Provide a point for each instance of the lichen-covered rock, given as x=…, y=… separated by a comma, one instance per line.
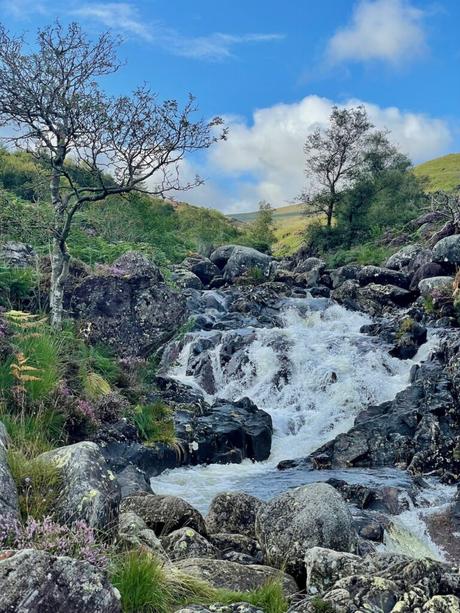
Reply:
x=233, y=576
x=447, y=250
x=426, y=271
x=132, y=480
x=409, y=258
x=324, y=567
x=127, y=307
x=133, y=532
x=185, y=279
x=221, y=255
x=428, y=287
x=344, y=273
x=310, y=516
x=364, y=593
x=164, y=514
x=202, y=267
x=187, y=543
x=90, y=491
x=309, y=264
x=234, y=607
x=244, y=259
x=382, y=276
x=229, y=544
x=233, y=512
x=18, y=255
x=8, y=490
x=373, y=298
x=33, y=581
x=442, y=604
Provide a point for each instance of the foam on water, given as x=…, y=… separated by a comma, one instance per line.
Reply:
x=313, y=375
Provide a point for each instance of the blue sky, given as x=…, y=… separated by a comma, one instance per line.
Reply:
x=273, y=70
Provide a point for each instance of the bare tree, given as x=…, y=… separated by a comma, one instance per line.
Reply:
x=51, y=96
x=334, y=157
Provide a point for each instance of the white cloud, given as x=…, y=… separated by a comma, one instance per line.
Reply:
x=387, y=30
x=264, y=159
x=125, y=17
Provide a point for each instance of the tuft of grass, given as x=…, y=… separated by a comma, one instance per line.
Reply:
x=147, y=587
x=95, y=386
x=33, y=433
x=154, y=423
x=321, y=606
x=17, y=286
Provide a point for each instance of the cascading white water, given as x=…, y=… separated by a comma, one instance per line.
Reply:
x=313, y=375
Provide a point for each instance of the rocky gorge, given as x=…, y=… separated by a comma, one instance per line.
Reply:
x=316, y=433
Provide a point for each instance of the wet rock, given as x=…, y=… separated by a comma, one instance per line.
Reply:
x=89, y=491
x=244, y=259
x=134, y=533
x=447, y=250
x=373, y=299
x=187, y=543
x=233, y=576
x=164, y=514
x=344, y=273
x=228, y=543
x=382, y=276
x=17, y=255
x=233, y=512
x=185, y=279
x=202, y=267
x=35, y=582
x=8, y=490
x=310, y=516
x=409, y=338
x=128, y=307
x=409, y=258
x=432, y=285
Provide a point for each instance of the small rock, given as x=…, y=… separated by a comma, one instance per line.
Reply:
x=187, y=543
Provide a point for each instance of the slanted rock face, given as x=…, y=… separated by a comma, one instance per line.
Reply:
x=164, y=514
x=8, y=491
x=90, y=491
x=17, y=254
x=33, y=581
x=233, y=576
x=447, y=250
x=187, y=543
x=233, y=512
x=243, y=259
x=310, y=516
x=128, y=307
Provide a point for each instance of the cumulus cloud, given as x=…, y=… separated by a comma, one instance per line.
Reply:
x=125, y=17
x=387, y=30
x=264, y=160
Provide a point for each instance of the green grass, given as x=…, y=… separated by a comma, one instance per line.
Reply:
x=17, y=286
x=148, y=587
x=33, y=433
x=154, y=423
x=366, y=254
x=442, y=173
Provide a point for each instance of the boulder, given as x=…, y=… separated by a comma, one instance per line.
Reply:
x=127, y=307
x=164, y=514
x=325, y=566
x=187, y=543
x=310, y=264
x=233, y=512
x=221, y=255
x=226, y=575
x=8, y=490
x=426, y=271
x=202, y=267
x=132, y=480
x=185, y=279
x=17, y=255
x=448, y=229
x=447, y=250
x=245, y=259
x=409, y=258
x=33, y=581
x=134, y=533
x=373, y=299
x=237, y=543
x=382, y=276
x=344, y=273
x=442, y=604
x=428, y=287
x=89, y=491
x=310, y=516
x=234, y=607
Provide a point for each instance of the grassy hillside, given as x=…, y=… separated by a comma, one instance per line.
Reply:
x=442, y=173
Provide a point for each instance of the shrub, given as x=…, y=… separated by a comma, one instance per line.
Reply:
x=77, y=541
x=154, y=423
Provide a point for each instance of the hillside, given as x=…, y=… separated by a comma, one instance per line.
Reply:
x=442, y=173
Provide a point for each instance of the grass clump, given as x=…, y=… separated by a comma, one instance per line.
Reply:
x=154, y=423
x=321, y=606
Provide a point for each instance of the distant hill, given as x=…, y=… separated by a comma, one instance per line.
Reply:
x=442, y=173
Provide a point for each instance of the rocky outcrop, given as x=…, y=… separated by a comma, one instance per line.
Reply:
x=233, y=576
x=89, y=490
x=33, y=581
x=185, y=279
x=18, y=255
x=164, y=514
x=382, y=276
x=128, y=307
x=409, y=258
x=310, y=516
x=233, y=512
x=373, y=299
x=8, y=490
x=429, y=287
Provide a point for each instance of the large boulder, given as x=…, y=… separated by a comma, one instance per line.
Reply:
x=33, y=581
x=165, y=514
x=89, y=491
x=344, y=273
x=309, y=264
x=382, y=276
x=202, y=267
x=232, y=576
x=409, y=258
x=128, y=307
x=8, y=490
x=221, y=255
x=233, y=512
x=310, y=516
x=447, y=250
x=18, y=255
x=426, y=271
x=430, y=286
x=244, y=259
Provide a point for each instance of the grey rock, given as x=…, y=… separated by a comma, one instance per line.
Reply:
x=442, y=604
x=202, y=267
x=132, y=480
x=90, y=491
x=164, y=514
x=324, y=567
x=228, y=543
x=373, y=299
x=426, y=271
x=382, y=276
x=409, y=258
x=234, y=607
x=243, y=260
x=185, y=278
x=344, y=273
x=133, y=533
x=447, y=250
x=233, y=512
x=435, y=284
x=135, y=263
x=18, y=255
x=310, y=516
x=33, y=581
x=221, y=255
x=8, y=490
x=310, y=264
x=233, y=576
x=187, y=543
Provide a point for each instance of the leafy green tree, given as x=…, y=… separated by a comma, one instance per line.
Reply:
x=261, y=233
